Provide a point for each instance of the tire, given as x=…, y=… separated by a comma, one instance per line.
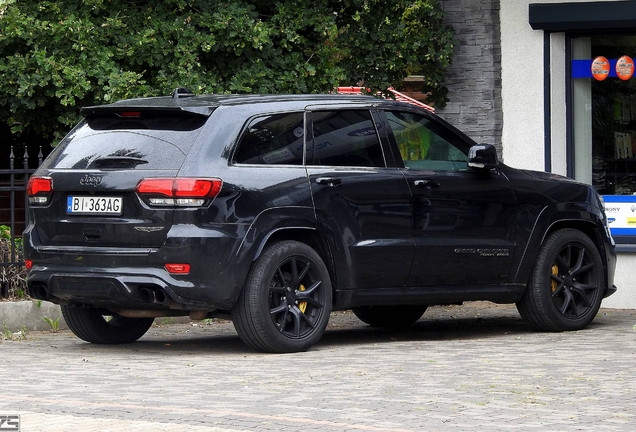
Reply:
x=567, y=283
x=286, y=301
x=90, y=325
x=390, y=316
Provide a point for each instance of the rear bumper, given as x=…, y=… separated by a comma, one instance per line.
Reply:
x=121, y=287
x=136, y=277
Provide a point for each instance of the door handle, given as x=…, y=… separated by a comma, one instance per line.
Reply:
x=329, y=181
x=427, y=183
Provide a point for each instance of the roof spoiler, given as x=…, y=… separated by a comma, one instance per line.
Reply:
x=122, y=110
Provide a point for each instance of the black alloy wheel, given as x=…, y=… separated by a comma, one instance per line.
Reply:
x=567, y=284
x=286, y=302
x=293, y=305
x=102, y=327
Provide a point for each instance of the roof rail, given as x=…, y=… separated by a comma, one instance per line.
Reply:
x=400, y=97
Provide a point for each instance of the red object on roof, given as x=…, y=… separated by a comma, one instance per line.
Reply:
x=400, y=97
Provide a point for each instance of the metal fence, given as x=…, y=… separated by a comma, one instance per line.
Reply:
x=13, y=219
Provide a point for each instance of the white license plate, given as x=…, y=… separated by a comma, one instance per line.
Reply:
x=94, y=205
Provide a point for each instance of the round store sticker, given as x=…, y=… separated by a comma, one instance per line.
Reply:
x=625, y=68
x=600, y=68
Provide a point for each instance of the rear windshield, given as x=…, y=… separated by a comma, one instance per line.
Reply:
x=108, y=142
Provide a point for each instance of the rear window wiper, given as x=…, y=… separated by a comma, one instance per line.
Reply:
x=119, y=162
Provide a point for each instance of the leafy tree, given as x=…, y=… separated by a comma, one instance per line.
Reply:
x=58, y=55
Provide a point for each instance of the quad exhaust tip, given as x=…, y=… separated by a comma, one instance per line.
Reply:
x=40, y=292
x=157, y=296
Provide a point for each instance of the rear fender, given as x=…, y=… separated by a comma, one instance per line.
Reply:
x=273, y=220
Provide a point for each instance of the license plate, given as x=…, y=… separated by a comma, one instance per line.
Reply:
x=94, y=205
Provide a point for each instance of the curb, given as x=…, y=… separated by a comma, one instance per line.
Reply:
x=28, y=314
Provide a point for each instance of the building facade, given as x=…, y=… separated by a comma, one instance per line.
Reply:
x=551, y=84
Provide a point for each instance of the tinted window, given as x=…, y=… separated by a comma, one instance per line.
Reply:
x=273, y=139
x=346, y=138
x=425, y=144
x=156, y=142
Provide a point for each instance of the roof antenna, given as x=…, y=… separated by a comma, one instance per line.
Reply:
x=180, y=92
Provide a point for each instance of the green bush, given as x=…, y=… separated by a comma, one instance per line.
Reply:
x=58, y=55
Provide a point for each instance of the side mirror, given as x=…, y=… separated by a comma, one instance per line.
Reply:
x=483, y=156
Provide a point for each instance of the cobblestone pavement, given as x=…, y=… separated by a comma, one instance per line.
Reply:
x=474, y=367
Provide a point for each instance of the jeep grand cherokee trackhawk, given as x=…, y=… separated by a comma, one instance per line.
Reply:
x=276, y=210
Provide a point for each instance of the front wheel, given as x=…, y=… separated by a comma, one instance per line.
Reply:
x=390, y=316
x=286, y=301
x=567, y=283
x=91, y=325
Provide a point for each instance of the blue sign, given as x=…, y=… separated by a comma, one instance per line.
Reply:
x=621, y=214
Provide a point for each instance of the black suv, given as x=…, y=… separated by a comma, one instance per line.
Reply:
x=275, y=210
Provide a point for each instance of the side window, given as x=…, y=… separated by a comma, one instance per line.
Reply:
x=274, y=139
x=425, y=144
x=346, y=138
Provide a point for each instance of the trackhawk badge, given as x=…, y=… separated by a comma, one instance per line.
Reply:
x=91, y=180
x=485, y=252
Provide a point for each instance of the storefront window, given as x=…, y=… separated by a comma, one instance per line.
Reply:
x=604, y=123
x=604, y=116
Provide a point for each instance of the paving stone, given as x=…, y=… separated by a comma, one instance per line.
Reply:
x=460, y=368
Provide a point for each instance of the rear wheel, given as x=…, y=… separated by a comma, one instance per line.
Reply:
x=390, y=316
x=567, y=283
x=286, y=301
x=92, y=326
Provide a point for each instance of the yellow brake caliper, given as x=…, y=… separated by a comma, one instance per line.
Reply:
x=555, y=272
x=302, y=305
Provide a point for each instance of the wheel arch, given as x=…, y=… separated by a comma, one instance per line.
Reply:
x=593, y=232
x=586, y=227
x=552, y=219
x=270, y=221
x=311, y=237
x=287, y=223
x=293, y=223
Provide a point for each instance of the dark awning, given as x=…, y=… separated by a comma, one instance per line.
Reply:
x=597, y=15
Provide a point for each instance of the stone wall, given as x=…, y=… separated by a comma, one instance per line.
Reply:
x=474, y=78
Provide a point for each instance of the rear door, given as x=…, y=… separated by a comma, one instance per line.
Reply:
x=96, y=169
x=363, y=206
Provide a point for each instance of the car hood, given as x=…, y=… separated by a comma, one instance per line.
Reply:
x=548, y=176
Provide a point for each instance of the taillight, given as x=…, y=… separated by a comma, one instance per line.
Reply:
x=39, y=190
x=183, y=192
x=174, y=268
